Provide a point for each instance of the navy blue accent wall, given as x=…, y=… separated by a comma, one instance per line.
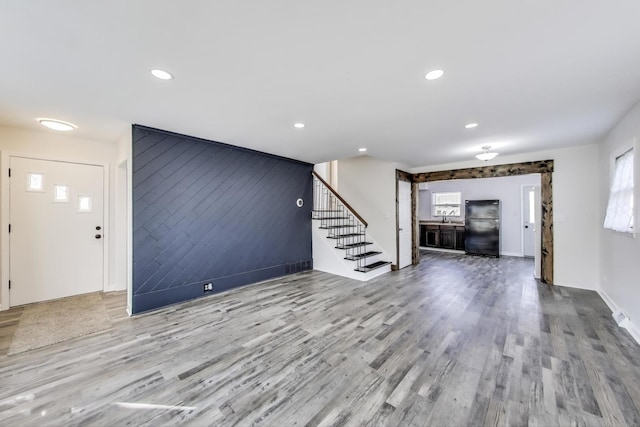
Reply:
x=210, y=212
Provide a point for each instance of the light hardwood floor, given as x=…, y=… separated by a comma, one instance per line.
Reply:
x=456, y=340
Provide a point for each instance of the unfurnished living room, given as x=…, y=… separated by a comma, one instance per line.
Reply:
x=330, y=213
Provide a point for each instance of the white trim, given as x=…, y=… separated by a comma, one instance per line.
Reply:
x=124, y=166
x=631, y=328
x=5, y=163
x=106, y=224
x=130, y=228
x=4, y=235
x=522, y=219
x=515, y=254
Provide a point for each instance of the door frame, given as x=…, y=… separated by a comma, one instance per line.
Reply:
x=407, y=177
x=543, y=167
x=524, y=188
x=398, y=222
x=5, y=162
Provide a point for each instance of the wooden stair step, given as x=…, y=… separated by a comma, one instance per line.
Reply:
x=343, y=236
x=373, y=266
x=361, y=256
x=353, y=245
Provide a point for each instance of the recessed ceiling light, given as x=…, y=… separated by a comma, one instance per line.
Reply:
x=362, y=150
x=298, y=125
x=471, y=125
x=161, y=74
x=57, y=124
x=434, y=74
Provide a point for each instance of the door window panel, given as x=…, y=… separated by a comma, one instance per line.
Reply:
x=35, y=182
x=532, y=208
x=84, y=204
x=61, y=193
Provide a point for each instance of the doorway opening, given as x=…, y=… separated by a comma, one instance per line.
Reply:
x=543, y=167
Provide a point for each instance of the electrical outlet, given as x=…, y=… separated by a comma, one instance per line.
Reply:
x=208, y=287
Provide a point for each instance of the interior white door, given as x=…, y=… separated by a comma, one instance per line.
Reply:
x=56, y=229
x=529, y=221
x=404, y=223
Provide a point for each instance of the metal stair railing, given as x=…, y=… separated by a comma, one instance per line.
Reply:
x=341, y=221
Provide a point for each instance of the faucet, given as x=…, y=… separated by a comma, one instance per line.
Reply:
x=444, y=219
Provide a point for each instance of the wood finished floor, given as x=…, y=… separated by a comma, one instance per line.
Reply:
x=454, y=341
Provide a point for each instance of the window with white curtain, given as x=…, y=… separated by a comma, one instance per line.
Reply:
x=619, y=216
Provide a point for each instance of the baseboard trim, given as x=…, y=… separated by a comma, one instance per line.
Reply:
x=451, y=251
x=631, y=328
x=513, y=254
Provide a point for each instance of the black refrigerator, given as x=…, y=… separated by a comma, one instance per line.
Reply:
x=482, y=227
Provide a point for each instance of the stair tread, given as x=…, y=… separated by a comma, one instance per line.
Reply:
x=328, y=227
x=373, y=266
x=342, y=236
x=360, y=256
x=331, y=217
x=353, y=245
x=325, y=210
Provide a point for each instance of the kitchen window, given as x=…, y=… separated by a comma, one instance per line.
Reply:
x=446, y=204
x=620, y=209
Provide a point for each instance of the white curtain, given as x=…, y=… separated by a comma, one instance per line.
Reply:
x=619, y=215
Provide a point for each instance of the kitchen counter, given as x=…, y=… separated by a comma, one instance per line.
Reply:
x=440, y=223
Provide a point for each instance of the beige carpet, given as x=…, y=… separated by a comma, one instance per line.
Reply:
x=47, y=323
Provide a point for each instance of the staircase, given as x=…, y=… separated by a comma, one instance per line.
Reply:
x=346, y=231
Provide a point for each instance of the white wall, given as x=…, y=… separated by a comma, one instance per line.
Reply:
x=61, y=146
x=620, y=252
x=576, y=206
x=506, y=189
x=369, y=186
x=322, y=169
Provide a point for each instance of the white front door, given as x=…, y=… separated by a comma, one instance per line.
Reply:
x=529, y=221
x=56, y=229
x=404, y=223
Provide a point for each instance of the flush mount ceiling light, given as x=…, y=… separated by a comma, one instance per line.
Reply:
x=362, y=150
x=298, y=125
x=486, y=154
x=57, y=125
x=161, y=74
x=471, y=125
x=434, y=74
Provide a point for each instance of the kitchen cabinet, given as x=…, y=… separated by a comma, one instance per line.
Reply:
x=460, y=238
x=431, y=235
x=446, y=236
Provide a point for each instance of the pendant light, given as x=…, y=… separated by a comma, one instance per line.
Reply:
x=486, y=155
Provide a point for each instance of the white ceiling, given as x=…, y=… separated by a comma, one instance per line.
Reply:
x=534, y=74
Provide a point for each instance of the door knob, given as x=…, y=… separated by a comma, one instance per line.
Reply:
x=98, y=236
x=526, y=226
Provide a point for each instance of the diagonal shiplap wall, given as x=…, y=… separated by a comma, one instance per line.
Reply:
x=210, y=212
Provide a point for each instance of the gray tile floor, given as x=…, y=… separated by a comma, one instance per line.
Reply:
x=456, y=340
